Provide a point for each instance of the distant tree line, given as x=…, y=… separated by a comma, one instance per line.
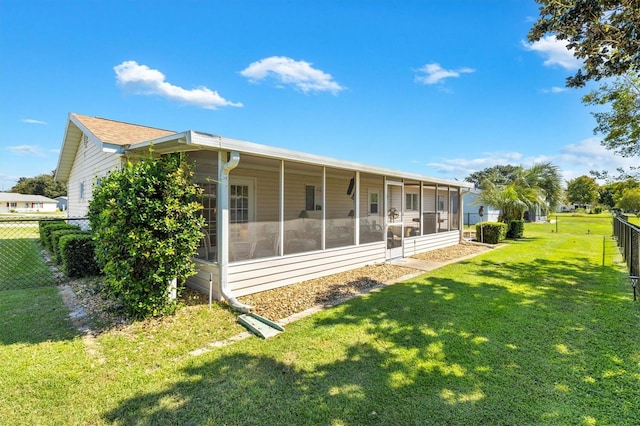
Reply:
x=514, y=189
x=40, y=185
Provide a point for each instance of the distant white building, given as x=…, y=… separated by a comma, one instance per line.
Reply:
x=470, y=210
x=63, y=202
x=24, y=203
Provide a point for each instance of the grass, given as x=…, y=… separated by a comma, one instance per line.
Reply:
x=21, y=265
x=536, y=332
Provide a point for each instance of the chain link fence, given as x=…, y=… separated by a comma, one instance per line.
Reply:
x=628, y=237
x=24, y=263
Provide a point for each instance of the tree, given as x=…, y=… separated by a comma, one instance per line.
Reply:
x=604, y=33
x=620, y=126
x=582, y=190
x=538, y=185
x=499, y=175
x=147, y=224
x=630, y=200
x=40, y=185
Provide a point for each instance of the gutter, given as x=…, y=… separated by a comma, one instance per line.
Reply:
x=223, y=221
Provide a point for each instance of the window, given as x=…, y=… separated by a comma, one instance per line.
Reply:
x=412, y=202
x=239, y=203
x=309, y=197
x=82, y=190
x=374, y=202
x=312, y=198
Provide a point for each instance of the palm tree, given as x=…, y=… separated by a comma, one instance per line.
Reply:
x=539, y=185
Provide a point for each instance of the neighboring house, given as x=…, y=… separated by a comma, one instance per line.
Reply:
x=273, y=216
x=25, y=203
x=62, y=203
x=471, y=214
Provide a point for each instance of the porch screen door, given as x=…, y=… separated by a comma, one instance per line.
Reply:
x=394, y=228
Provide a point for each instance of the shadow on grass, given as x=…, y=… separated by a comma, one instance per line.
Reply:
x=529, y=343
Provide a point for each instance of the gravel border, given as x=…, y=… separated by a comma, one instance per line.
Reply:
x=92, y=313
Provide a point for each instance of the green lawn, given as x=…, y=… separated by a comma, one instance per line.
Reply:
x=536, y=332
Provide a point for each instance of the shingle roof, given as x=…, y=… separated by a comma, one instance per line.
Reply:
x=118, y=132
x=13, y=196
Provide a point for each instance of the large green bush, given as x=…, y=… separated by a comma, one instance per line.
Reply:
x=491, y=232
x=147, y=226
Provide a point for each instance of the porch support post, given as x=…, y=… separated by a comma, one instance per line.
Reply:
x=323, y=230
x=420, y=215
x=356, y=227
x=460, y=214
x=222, y=217
x=437, y=209
x=281, y=212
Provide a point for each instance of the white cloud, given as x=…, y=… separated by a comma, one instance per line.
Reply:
x=573, y=160
x=555, y=52
x=289, y=72
x=31, y=150
x=555, y=89
x=434, y=73
x=146, y=81
x=32, y=121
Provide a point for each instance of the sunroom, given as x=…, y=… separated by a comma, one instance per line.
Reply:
x=275, y=217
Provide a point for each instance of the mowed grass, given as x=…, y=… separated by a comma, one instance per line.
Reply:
x=538, y=331
x=21, y=265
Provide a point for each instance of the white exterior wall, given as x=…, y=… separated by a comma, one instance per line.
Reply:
x=21, y=207
x=253, y=276
x=90, y=162
x=425, y=243
x=292, y=269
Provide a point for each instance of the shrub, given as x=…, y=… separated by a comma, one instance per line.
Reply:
x=597, y=210
x=55, y=241
x=147, y=223
x=516, y=229
x=77, y=252
x=48, y=228
x=491, y=232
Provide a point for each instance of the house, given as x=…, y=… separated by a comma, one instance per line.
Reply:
x=11, y=202
x=274, y=216
x=471, y=209
x=62, y=203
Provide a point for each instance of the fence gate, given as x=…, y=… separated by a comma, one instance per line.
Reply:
x=23, y=262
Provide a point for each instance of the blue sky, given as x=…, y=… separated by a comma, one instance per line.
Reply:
x=441, y=88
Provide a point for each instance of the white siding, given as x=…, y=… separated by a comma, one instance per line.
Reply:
x=260, y=275
x=415, y=245
x=90, y=162
x=200, y=281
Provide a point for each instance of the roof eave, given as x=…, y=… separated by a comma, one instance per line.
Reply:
x=191, y=141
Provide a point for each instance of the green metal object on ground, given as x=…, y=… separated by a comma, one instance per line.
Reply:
x=260, y=326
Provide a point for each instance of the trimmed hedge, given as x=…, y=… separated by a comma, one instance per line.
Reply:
x=491, y=232
x=516, y=229
x=55, y=241
x=77, y=252
x=47, y=228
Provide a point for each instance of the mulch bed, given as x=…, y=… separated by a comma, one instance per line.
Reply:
x=103, y=314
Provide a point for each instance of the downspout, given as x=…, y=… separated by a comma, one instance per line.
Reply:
x=223, y=229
